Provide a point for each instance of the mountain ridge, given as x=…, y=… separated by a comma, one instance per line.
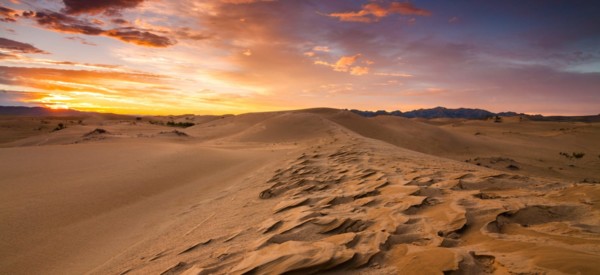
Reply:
x=439, y=112
x=429, y=113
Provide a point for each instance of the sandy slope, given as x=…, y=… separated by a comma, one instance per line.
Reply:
x=307, y=191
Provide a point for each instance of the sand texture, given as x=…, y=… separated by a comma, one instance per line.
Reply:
x=300, y=192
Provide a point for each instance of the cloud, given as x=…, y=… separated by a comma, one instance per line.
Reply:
x=18, y=47
x=344, y=64
x=21, y=60
x=81, y=40
x=358, y=70
x=321, y=49
x=16, y=98
x=110, y=7
x=373, y=12
x=189, y=34
x=393, y=74
x=8, y=56
x=69, y=24
x=119, y=21
x=88, y=89
x=8, y=14
x=432, y=91
x=9, y=30
x=26, y=76
x=141, y=38
x=64, y=23
x=244, y=1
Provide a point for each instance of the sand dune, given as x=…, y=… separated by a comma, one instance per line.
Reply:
x=310, y=191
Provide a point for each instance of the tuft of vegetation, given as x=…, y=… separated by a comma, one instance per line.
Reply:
x=574, y=155
x=180, y=124
x=177, y=133
x=578, y=155
x=512, y=167
x=59, y=127
x=97, y=131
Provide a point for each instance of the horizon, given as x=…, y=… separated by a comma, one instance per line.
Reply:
x=301, y=109
x=156, y=57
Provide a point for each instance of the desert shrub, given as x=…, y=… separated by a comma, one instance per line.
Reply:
x=59, y=127
x=97, y=131
x=177, y=133
x=566, y=155
x=578, y=155
x=512, y=167
x=180, y=124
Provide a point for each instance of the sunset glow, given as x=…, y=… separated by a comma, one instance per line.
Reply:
x=236, y=56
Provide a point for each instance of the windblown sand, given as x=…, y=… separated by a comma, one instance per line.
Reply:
x=311, y=191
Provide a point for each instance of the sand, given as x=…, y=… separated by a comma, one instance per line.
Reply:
x=300, y=192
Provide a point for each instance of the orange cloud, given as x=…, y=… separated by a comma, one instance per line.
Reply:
x=393, y=74
x=373, y=12
x=141, y=38
x=124, y=92
x=8, y=14
x=344, y=64
x=321, y=49
x=358, y=70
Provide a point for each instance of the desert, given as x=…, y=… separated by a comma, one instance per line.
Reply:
x=308, y=191
x=267, y=137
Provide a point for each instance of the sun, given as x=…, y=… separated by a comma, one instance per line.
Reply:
x=57, y=106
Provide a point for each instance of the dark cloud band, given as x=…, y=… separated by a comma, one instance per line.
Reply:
x=99, y=6
x=18, y=47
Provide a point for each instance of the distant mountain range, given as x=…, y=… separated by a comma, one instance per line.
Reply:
x=37, y=111
x=467, y=113
x=439, y=112
x=47, y=112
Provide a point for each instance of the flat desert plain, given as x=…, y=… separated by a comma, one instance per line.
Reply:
x=299, y=192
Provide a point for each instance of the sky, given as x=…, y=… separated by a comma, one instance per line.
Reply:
x=236, y=56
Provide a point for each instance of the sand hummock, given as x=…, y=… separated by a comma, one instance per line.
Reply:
x=301, y=192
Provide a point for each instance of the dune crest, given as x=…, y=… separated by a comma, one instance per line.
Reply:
x=350, y=208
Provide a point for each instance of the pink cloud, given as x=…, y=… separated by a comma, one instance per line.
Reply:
x=373, y=12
